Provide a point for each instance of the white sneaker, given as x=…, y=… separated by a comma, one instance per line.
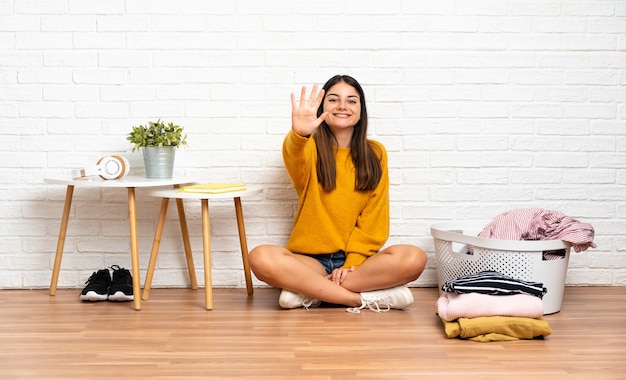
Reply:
x=291, y=300
x=383, y=300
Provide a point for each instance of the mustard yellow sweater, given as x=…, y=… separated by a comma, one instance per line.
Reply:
x=344, y=219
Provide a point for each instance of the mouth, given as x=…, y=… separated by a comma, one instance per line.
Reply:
x=341, y=115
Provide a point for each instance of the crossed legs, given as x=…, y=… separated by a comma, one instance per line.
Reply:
x=392, y=266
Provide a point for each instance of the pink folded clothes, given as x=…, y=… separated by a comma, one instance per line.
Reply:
x=540, y=224
x=451, y=306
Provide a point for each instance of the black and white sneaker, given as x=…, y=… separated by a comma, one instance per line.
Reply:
x=121, y=288
x=97, y=288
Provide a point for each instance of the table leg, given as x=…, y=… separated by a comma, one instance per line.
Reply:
x=185, y=232
x=134, y=247
x=156, y=243
x=206, y=247
x=244, y=245
x=61, y=241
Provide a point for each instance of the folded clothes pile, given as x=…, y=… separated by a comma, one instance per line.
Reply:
x=490, y=306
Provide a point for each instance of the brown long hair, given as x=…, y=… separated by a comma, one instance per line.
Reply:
x=367, y=163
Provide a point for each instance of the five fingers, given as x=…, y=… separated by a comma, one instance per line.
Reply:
x=314, y=100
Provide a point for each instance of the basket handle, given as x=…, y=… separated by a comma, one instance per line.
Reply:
x=453, y=231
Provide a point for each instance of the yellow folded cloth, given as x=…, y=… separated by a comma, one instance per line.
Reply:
x=487, y=329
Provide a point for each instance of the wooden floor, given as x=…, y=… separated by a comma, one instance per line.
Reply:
x=173, y=337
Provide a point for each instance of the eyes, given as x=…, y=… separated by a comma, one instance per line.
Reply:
x=334, y=99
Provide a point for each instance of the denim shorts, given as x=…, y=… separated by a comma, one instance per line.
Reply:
x=330, y=261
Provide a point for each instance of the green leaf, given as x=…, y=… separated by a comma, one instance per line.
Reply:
x=157, y=134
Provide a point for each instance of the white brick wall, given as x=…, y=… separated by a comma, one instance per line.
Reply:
x=484, y=106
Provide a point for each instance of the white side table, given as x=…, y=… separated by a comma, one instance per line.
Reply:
x=129, y=182
x=166, y=195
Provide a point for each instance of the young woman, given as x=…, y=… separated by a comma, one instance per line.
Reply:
x=342, y=220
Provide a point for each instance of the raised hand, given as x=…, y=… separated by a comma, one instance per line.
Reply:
x=304, y=120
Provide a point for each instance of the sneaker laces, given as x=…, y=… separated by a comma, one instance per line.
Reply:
x=307, y=302
x=116, y=267
x=381, y=305
x=120, y=272
x=93, y=278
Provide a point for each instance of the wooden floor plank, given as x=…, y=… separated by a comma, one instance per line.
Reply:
x=249, y=337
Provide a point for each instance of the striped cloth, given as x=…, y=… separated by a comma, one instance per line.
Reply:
x=540, y=224
x=494, y=283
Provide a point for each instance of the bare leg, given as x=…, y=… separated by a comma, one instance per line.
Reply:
x=281, y=268
x=393, y=266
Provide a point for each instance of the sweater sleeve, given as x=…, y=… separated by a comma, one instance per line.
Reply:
x=372, y=227
x=298, y=155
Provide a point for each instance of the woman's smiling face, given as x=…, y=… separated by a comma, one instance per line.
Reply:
x=343, y=104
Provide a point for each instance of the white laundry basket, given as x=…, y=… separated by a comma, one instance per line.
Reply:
x=459, y=252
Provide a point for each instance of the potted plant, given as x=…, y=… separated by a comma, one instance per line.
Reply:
x=158, y=142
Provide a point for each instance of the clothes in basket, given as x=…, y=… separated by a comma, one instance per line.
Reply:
x=540, y=224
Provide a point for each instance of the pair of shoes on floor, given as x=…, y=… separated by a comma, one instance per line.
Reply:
x=379, y=301
x=101, y=287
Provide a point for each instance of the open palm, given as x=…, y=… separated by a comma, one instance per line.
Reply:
x=304, y=120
